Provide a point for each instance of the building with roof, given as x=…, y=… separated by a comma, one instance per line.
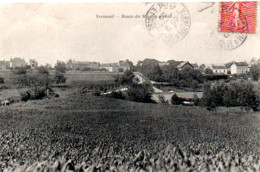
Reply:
x=239, y=68
x=162, y=64
x=111, y=67
x=183, y=65
x=82, y=65
x=2, y=65
x=33, y=63
x=195, y=65
x=17, y=62
x=219, y=69
x=122, y=66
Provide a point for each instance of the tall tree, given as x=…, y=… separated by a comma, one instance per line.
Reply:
x=60, y=67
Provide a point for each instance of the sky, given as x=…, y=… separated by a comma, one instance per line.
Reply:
x=49, y=32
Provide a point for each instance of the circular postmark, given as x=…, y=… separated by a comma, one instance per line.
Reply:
x=168, y=21
x=230, y=41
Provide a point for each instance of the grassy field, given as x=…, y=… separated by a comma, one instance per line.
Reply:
x=77, y=77
x=101, y=133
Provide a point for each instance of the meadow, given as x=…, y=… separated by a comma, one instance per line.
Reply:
x=84, y=132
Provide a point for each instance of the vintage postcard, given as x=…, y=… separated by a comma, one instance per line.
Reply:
x=130, y=86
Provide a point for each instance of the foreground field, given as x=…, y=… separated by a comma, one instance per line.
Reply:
x=103, y=133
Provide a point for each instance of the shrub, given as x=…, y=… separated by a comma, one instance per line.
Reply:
x=196, y=100
x=117, y=95
x=25, y=95
x=59, y=78
x=36, y=93
x=140, y=93
x=21, y=70
x=2, y=81
x=175, y=100
x=96, y=93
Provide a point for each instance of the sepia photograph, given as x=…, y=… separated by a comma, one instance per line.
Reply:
x=130, y=86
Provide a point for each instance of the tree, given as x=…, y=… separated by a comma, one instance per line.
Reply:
x=208, y=71
x=126, y=78
x=140, y=92
x=43, y=70
x=255, y=72
x=60, y=67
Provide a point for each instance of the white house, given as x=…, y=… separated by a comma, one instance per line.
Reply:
x=239, y=68
x=219, y=69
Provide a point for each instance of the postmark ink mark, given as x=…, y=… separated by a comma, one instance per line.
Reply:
x=168, y=21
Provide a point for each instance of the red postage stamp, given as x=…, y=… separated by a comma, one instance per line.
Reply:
x=238, y=16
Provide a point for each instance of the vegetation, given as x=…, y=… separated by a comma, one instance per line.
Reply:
x=84, y=132
x=176, y=100
x=140, y=92
x=234, y=93
x=59, y=78
x=255, y=71
x=60, y=67
x=2, y=80
x=188, y=77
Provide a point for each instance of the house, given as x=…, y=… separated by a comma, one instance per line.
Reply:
x=195, y=65
x=17, y=62
x=111, y=67
x=239, y=68
x=219, y=69
x=2, y=65
x=33, y=63
x=124, y=65
x=183, y=65
x=82, y=65
x=162, y=64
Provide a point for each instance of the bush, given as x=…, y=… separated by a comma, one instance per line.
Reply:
x=59, y=78
x=175, y=100
x=196, y=100
x=140, y=93
x=96, y=93
x=21, y=70
x=37, y=93
x=117, y=95
x=25, y=95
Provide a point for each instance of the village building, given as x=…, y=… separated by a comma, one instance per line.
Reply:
x=2, y=65
x=162, y=64
x=219, y=69
x=33, y=63
x=184, y=65
x=111, y=67
x=122, y=66
x=239, y=68
x=17, y=62
x=82, y=65
x=195, y=65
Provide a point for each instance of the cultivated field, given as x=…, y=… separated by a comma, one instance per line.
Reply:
x=89, y=76
x=104, y=133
